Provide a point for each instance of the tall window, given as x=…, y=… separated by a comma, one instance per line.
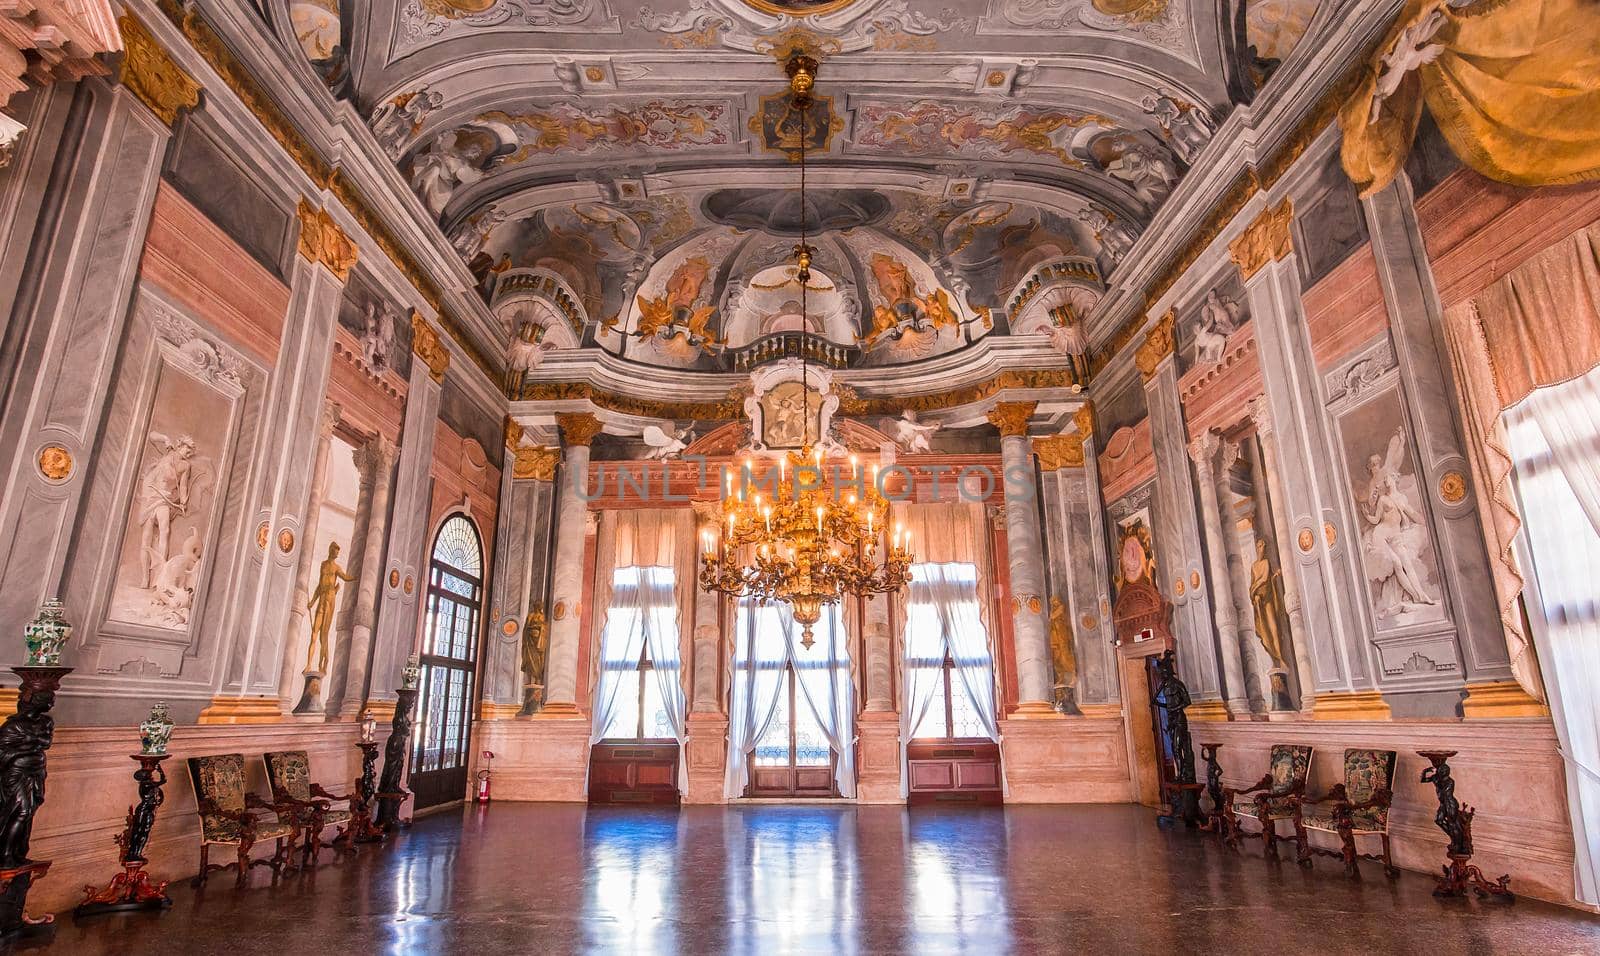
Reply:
x=449, y=650
x=1554, y=440
x=639, y=695
x=949, y=666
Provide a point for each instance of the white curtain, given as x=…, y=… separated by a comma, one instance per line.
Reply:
x=766, y=641
x=1554, y=438
x=643, y=555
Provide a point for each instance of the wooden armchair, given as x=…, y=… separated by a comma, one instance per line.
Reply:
x=307, y=805
x=1277, y=797
x=226, y=818
x=1358, y=805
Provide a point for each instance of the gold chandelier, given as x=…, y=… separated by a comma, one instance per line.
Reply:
x=804, y=545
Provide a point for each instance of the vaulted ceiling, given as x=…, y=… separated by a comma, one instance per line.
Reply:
x=955, y=147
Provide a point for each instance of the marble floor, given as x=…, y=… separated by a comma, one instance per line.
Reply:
x=550, y=879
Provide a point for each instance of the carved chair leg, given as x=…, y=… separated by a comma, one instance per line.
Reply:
x=1230, y=823
x=200, y=878
x=1389, y=869
x=309, y=847
x=1302, y=842
x=1269, y=833
x=1347, y=837
x=244, y=860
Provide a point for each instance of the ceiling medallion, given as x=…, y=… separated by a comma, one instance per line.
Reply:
x=806, y=545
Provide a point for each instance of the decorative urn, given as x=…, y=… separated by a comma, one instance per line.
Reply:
x=369, y=726
x=411, y=677
x=47, y=634
x=156, y=730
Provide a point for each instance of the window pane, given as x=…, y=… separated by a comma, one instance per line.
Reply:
x=810, y=745
x=772, y=750
x=656, y=723
x=624, y=723
x=963, y=715
x=932, y=723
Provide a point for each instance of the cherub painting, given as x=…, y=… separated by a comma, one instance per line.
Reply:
x=679, y=312
x=901, y=306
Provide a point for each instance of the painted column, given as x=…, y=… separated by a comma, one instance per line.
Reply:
x=1238, y=539
x=405, y=565
x=290, y=688
x=1026, y=558
x=280, y=488
x=561, y=673
x=879, y=641
x=375, y=460
x=1091, y=583
x=1310, y=474
x=706, y=687
x=1262, y=416
x=75, y=269
x=1203, y=452
x=1177, y=526
x=1428, y=391
x=522, y=546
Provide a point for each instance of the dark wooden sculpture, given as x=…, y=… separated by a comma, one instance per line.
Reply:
x=362, y=829
x=1455, y=819
x=391, y=793
x=25, y=737
x=1172, y=697
x=1213, y=818
x=133, y=889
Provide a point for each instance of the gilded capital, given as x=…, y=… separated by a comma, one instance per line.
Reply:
x=1084, y=419
x=514, y=430
x=1158, y=343
x=149, y=73
x=578, y=428
x=1012, y=417
x=321, y=240
x=1266, y=239
x=1059, y=451
x=536, y=462
x=429, y=347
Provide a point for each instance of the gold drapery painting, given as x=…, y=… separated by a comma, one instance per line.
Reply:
x=1513, y=84
x=1538, y=325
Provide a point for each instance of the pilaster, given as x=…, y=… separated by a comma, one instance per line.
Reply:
x=566, y=594
x=1025, y=548
x=1177, y=525
x=68, y=314
x=347, y=688
x=522, y=547
x=1203, y=452
x=405, y=563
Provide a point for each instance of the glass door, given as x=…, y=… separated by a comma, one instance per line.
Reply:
x=441, y=743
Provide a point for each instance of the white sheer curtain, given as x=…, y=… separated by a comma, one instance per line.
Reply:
x=642, y=555
x=766, y=641
x=1554, y=439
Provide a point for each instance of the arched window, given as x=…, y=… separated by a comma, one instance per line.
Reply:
x=449, y=652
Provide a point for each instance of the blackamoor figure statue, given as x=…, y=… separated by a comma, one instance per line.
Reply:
x=24, y=738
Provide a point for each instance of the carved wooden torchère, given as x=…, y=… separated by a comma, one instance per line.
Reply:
x=391, y=792
x=1455, y=819
x=362, y=829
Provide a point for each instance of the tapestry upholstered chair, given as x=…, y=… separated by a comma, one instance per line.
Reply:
x=226, y=817
x=1277, y=797
x=1359, y=805
x=307, y=805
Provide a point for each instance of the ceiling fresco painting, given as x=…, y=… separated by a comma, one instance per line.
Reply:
x=635, y=164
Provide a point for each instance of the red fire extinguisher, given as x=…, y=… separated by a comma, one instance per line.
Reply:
x=483, y=777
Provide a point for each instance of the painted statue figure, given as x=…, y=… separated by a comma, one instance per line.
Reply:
x=1219, y=318
x=321, y=606
x=535, y=647
x=1063, y=656
x=1396, y=534
x=1266, y=597
x=24, y=738
x=163, y=497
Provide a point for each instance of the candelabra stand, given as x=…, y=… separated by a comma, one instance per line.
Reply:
x=362, y=829
x=25, y=737
x=132, y=889
x=391, y=793
x=1455, y=819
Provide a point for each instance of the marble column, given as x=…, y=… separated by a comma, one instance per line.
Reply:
x=707, y=686
x=346, y=691
x=1091, y=582
x=280, y=486
x=879, y=640
x=310, y=560
x=566, y=618
x=1030, y=637
x=1238, y=538
x=405, y=564
x=74, y=237
x=1310, y=474
x=1203, y=452
x=1177, y=525
x=1267, y=475
x=1429, y=392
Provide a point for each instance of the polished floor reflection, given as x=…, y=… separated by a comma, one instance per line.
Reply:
x=826, y=878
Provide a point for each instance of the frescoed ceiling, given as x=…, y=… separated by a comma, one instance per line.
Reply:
x=640, y=155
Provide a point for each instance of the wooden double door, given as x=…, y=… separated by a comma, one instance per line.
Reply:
x=793, y=758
